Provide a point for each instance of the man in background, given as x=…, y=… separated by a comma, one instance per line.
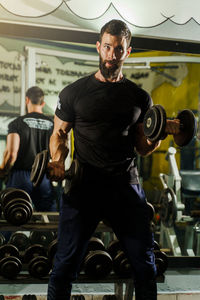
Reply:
x=27, y=136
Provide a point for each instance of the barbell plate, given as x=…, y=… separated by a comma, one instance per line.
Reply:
x=188, y=128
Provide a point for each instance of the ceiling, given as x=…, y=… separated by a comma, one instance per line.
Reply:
x=171, y=25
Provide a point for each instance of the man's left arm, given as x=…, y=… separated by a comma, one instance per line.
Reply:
x=143, y=146
x=10, y=153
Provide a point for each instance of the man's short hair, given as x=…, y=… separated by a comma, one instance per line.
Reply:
x=118, y=28
x=36, y=95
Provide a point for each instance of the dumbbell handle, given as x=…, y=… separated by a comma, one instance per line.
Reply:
x=65, y=174
x=173, y=126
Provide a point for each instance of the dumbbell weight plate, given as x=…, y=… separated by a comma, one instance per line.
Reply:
x=156, y=245
x=52, y=248
x=20, y=240
x=39, y=167
x=18, y=211
x=11, y=194
x=161, y=256
x=160, y=266
x=10, y=267
x=39, y=267
x=121, y=266
x=162, y=119
x=77, y=297
x=3, y=192
x=2, y=239
x=9, y=261
x=113, y=248
x=188, y=128
x=110, y=297
x=95, y=244
x=151, y=121
x=155, y=123
x=7, y=250
x=29, y=297
x=97, y=264
x=42, y=237
x=151, y=211
x=34, y=251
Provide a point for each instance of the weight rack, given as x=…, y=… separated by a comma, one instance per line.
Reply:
x=41, y=221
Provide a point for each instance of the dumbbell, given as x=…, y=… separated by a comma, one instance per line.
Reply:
x=161, y=261
x=16, y=205
x=10, y=263
x=51, y=251
x=156, y=245
x=36, y=258
x=40, y=167
x=154, y=125
x=97, y=262
x=77, y=297
x=110, y=297
x=19, y=240
x=121, y=265
x=43, y=238
x=29, y=297
x=2, y=239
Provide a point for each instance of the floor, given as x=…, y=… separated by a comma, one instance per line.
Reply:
x=182, y=284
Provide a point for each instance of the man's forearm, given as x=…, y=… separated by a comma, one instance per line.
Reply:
x=8, y=161
x=59, y=148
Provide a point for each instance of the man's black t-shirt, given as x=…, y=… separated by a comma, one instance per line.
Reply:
x=34, y=130
x=104, y=115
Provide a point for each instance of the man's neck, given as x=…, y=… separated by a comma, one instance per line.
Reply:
x=35, y=108
x=98, y=75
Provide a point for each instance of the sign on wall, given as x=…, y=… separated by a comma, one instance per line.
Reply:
x=10, y=81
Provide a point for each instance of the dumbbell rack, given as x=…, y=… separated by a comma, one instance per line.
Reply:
x=41, y=221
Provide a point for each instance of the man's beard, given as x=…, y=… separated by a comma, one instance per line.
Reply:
x=112, y=72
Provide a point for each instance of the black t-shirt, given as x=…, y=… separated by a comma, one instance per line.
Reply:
x=34, y=130
x=104, y=115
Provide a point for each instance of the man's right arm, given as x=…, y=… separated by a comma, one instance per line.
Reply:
x=58, y=149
